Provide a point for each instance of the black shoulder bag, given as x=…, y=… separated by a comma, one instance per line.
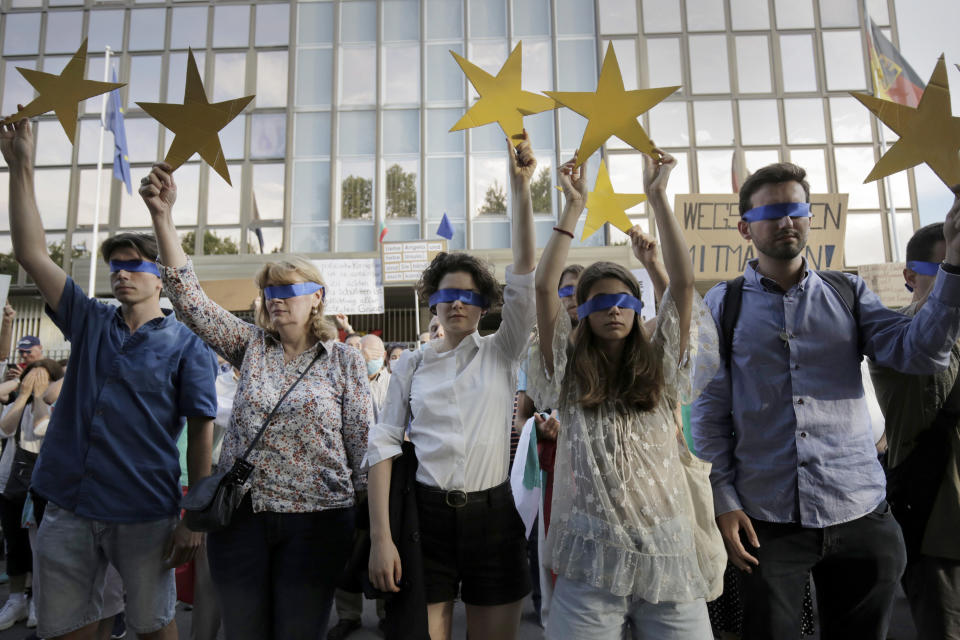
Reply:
x=210, y=504
x=21, y=472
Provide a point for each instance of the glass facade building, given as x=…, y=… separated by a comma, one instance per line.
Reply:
x=349, y=130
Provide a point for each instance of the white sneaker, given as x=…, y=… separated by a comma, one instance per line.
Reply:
x=32, y=615
x=13, y=611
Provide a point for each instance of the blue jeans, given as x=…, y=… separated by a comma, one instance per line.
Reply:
x=275, y=573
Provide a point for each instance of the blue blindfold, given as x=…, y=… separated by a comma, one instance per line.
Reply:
x=922, y=268
x=566, y=292
x=607, y=300
x=777, y=211
x=464, y=296
x=285, y=291
x=134, y=265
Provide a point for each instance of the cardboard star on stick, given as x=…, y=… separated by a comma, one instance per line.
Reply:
x=603, y=205
x=63, y=93
x=610, y=110
x=928, y=133
x=196, y=123
x=501, y=98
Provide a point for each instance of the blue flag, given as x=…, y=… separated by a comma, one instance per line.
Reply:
x=445, y=230
x=114, y=123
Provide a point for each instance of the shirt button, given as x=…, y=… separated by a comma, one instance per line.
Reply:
x=803, y=434
x=803, y=464
x=799, y=400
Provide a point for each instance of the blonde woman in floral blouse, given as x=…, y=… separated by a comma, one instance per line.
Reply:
x=276, y=566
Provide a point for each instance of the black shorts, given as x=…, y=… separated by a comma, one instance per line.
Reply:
x=477, y=551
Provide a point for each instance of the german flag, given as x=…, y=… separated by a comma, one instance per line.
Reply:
x=893, y=77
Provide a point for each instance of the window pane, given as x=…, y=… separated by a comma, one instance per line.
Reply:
x=142, y=84
x=21, y=34
x=794, y=14
x=839, y=13
x=132, y=212
x=853, y=165
x=760, y=158
x=439, y=139
x=575, y=17
x=626, y=170
x=753, y=64
x=541, y=187
x=877, y=9
x=312, y=239
x=850, y=120
x=177, y=78
x=713, y=168
x=864, y=242
x=708, y=64
x=5, y=245
x=531, y=18
x=900, y=190
x=89, y=133
x=486, y=138
x=618, y=16
x=540, y=129
x=52, y=198
x=311, y=191
x=355, y=237
x=189, y=28
x=268, y=135
x=401, y=132
x=489, y=55
x=401, y=19
x=843, y=59
x=314, y=76
x=626, y=50
x=714, y=123
x=663, y=62
x=805, y=121
x=106, y=28
x=705, y=15
x=358, y=133
x=316, y=23
x=273, y=25
x=577, y=58
x=16, y=89
x=488, y=18
x=142, y=134
x=147, y=27
x=444, y=19
x=759, y=122
x=402, y=186
x=572, y=127
x=401, y=74
x=661, y=16
x=813, y=161
x=444, y=78
x=229, y=75
x=358, y=21
x=358, y=75
x=312, y=134
x=53, y=145
x=798, y=63
x=356, y=190
x=445, y=188
x=223, y=201
x=271, y=79
x=488, y=186
x=272, y=241
x=268, y=191
x=231, y=25
x=668, y=124
x=188, y=194
x=749, y=14
x=491, y=233
x=537, y=73
x=232, y=138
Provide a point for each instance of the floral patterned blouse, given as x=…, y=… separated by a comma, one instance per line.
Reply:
x=309, y=456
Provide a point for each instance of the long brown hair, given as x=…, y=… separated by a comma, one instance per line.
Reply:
x=638, y=383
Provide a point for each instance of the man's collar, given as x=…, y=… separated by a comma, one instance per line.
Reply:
x=752, y=274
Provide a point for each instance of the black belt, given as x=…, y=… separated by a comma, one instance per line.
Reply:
x=458, y=498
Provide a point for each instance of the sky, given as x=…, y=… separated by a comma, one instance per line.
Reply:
x=927, y=29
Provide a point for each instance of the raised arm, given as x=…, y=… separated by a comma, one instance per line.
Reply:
x=522, y=165
x=645, y=250
x=574, y=183
x=6, y=331
x=26, y=228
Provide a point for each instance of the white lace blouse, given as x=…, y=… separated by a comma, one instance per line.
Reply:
x=621, y=519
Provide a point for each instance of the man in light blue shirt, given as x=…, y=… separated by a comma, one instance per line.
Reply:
x=797, y=485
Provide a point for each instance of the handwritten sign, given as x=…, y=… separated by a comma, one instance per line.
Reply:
x=353, y=286
x=646, y=294
x=886, y=280
x=403, y=262
x=719, y=252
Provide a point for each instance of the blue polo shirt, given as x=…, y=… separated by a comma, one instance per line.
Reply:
x=110, y=452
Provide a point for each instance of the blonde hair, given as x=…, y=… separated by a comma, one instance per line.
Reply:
x=290, y=271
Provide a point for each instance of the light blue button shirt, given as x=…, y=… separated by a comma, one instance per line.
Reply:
x=786, y=427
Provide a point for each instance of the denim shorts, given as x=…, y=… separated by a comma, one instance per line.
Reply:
x=72, y=556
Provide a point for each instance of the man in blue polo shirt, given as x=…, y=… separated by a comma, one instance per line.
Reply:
x=109, y=466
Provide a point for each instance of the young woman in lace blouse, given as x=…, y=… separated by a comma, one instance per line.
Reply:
x=621, y=537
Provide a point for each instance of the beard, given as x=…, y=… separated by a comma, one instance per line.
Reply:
x=780, y=251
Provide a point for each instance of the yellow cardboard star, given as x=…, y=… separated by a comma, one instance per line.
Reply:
x=196, y=123
x=501, y=98
x=928, y=133
x=603, y=205
x=63, y=93
x=610, y=110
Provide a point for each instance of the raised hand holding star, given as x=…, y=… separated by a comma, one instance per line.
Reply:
x=62, y=93
x=603, y=205
x=196, y=123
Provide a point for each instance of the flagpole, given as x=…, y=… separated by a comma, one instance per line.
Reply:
x=891, y=208
x=91, y=291
x=416, y=313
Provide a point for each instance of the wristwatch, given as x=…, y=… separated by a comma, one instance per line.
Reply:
x=950, y=268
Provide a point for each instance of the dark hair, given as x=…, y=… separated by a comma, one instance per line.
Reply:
x=639, y=382
x=445, y=263
x=52, y=367
x=923, y=243
x=143, y=243
x=571, y=270
x=772, y=174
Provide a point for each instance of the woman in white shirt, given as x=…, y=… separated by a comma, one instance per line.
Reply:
x=621, y=536
x=457, y=396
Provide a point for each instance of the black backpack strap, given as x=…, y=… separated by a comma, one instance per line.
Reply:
x=729, y=313
x=840, y=283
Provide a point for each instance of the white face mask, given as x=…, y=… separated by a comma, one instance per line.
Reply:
x=374, y=366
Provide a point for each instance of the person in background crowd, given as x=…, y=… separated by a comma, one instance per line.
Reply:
x=113, y=490
x=29, y=350
x=353, y=340
x=276, y=565
x=6, y=337
x=435, y=329
x=424, y=339
x=457, y=394
x=911, y=404
x=394, y=349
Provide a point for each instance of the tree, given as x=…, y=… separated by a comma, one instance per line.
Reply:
x=494, y=201
x=8, y=264
x=213, y=245
x=540, y=192
x=401, y=193
x=56, y=251
x=357, y=198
